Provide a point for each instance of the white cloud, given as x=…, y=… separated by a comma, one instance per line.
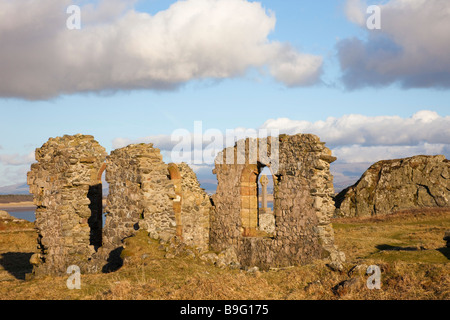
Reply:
x=354, y=10
x=119, y=48
x=295, y=69
x=10, y=175
x=355, y=129
x=356, y=140
x=14, y=168
x=360, y=154
x=411, y=49
x=16, y=159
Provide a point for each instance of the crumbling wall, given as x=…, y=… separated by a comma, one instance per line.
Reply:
x=147, y=194
x=195, y=210
x=303, y=205
x=66, y=184
x=140, y=195
x=168, y=203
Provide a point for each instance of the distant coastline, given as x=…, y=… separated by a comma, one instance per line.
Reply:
x=17, y=206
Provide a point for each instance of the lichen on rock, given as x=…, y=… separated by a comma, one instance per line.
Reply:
x=393, y=185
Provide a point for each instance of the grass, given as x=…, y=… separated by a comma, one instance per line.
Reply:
x=408, y=236
x=407, y=246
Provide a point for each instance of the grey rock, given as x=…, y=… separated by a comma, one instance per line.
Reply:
x=392, y=185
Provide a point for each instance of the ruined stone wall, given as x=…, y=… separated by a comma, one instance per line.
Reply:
x=195, y=210
x=140, y=195
x=147, y=194
x=303, y=205
x=66, y=185
x=226, y=225
x=392, y=185
x=168, y=203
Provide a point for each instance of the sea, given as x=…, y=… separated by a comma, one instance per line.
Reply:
x=21, y=213
x=29, y=214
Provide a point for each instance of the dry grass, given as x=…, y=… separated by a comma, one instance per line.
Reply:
x=408, y=247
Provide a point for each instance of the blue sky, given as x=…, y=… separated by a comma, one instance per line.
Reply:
x=246, y=98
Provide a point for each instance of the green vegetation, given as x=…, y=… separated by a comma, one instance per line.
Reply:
x=407, y=246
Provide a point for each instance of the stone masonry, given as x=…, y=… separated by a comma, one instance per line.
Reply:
x=167, y=202
x=196, y=209
x=140, y=194
x=303, y=205
x=143, y=195
x=66, y=185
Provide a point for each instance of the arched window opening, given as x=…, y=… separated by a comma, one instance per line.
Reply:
x=266, y=217
x=265, y=190
x=257, y=199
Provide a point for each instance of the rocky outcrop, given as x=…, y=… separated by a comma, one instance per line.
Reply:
x=392, y=185
x=5, y=215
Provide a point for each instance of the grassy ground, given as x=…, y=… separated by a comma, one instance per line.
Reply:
x=408, y=247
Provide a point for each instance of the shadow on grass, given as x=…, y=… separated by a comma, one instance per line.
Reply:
x=387, y=247
x=424, y=255
x=17, y=263
x=445, y=251
x=114, y=261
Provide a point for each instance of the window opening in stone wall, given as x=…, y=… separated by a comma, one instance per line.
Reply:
x=249, y=200
x=266, y=218
x=257, y=201
x=105, y=192
x=96, y=220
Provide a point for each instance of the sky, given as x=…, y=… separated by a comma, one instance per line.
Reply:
x=138, y=71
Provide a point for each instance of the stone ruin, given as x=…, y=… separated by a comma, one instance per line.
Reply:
x=303, y=203
x=67, y=188
x=167, y=202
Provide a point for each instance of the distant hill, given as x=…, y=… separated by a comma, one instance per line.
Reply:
x=20, y=188
x=24, y=189
x=15, y=198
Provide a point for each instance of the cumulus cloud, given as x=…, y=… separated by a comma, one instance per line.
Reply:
x=361, y=154
x=354, y=136
x=14, y=167
x=11, y=175
x=356, y=140
x=355, y=129
x=354, y=10
x=16, y=159
x=197, y=148
x=119, y=48
x=412, y=48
